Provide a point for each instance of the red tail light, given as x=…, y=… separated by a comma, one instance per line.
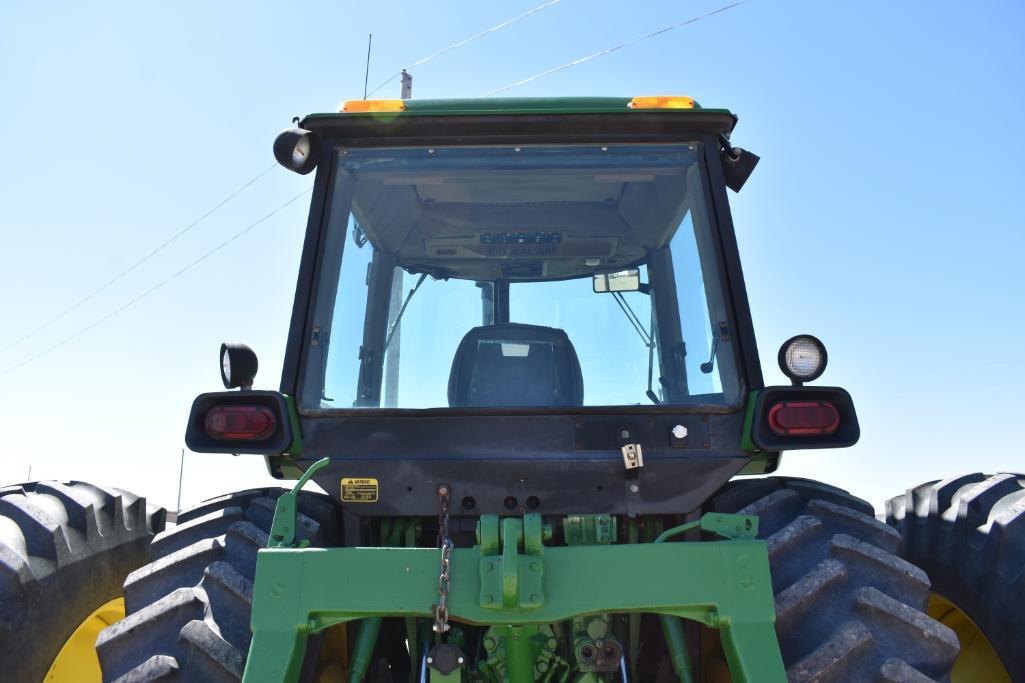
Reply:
x=240, y=423
x=798, y=418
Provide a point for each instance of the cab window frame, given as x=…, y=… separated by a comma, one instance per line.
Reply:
x=336, y=207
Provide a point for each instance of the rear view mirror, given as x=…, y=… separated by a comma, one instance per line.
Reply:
x=622, y=281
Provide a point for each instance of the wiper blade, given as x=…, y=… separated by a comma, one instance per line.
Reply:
x=398, y=318
x=645, y=336
x=632, y=317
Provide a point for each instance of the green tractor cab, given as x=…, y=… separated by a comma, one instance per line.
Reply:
x=521, y=335
x=521, y=366
x=504, y=295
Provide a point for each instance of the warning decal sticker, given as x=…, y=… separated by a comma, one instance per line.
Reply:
x=359, y=490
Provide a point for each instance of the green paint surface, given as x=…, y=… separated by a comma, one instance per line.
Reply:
x=761, y=461
x=516, y=105
x=725, y=585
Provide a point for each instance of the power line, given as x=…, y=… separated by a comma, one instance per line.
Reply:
x=239, y=234
x=465, y=41
x=602, y=53
x=157, y=286
x=138, y=263
x=174, y=237
x=196, y=222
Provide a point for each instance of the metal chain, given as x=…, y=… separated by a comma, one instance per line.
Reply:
x=444, y=577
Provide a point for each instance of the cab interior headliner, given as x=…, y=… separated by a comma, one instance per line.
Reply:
x=484, y=221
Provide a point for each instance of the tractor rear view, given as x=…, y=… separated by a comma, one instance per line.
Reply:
x=521, y=365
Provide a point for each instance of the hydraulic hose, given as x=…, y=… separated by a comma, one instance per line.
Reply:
x=672, y=627
x=366, y=639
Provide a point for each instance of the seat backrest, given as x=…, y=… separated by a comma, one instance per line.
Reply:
x=515, y=365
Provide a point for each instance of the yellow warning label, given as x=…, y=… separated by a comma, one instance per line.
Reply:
x=359, y=490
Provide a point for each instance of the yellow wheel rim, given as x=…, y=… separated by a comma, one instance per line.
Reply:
x=978, y=660
x=77, y=662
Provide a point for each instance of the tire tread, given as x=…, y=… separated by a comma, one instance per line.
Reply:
x=845, y=603
x=968, y=534
x=207, y=564
x=65, y=549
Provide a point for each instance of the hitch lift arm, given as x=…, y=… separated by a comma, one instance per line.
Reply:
x=725, y=585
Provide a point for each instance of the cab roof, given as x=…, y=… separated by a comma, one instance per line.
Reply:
x=331, y=124
x=522, y=105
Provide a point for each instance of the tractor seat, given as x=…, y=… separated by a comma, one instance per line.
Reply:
x=515, y=365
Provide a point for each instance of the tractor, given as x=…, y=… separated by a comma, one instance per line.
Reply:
x=522, y=371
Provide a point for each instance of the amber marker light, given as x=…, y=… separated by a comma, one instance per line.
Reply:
x=370, y=106
x=662, y=103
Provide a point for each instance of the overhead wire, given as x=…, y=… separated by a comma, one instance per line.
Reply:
x=465, y=41
x=609, y=50
x=138, y=263
x=245, y=230
x=181, y=232
x=157, y=286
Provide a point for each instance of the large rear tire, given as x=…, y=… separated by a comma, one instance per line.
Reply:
x=65, y=550
x=968, y=534
x=847, y=608
x=188, y=611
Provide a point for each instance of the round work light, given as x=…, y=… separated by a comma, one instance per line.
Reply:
x=802, y=358
x=301, y=151
x=238, y=366
x=297, y=150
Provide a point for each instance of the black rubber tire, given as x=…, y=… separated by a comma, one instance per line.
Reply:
x=968, y=534
x=847, y=608
x=188, y=611
x=65, y=550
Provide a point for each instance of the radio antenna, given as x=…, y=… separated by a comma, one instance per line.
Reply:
x=366, y=78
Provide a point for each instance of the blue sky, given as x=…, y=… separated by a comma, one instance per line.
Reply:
x=885, y=216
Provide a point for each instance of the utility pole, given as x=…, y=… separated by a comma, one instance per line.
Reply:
x=394, y=352
x=407, y=85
